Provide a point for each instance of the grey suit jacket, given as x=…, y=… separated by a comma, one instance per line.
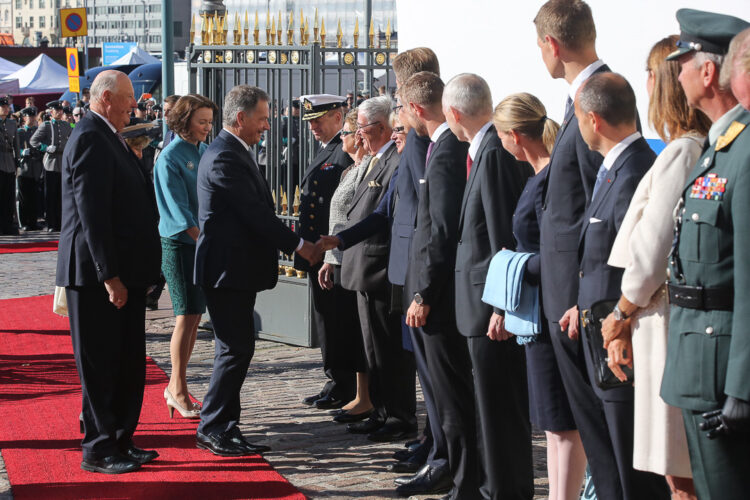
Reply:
x=52, y=134
x=364, y=265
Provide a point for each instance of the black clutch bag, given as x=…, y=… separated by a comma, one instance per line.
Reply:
x=397, y=297
x=591, y=320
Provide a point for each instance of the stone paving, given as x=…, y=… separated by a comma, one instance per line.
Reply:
x=308, y=449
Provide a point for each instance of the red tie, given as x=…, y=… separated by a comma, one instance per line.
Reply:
x=469, y=162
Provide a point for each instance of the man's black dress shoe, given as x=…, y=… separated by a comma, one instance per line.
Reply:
x=417, y=452
x=405, y=467
x=236, y=437
x=413, y=443
x=364, y=427
x=428, y=480
x=114, y=464
x=386, y=434
x=139, y=455
x=310, y=400
x=222, y=445
x=348, y=418
x=329, y=403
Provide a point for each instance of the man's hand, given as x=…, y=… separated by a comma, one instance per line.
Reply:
x=733, y=418
x=496, y=329
x=118, y=294
x=416, y=316
x=311, y=253
x=329, y=242
x=325, y=276
x=26, y=152
x=613, y=329
x=569, y=322
x=620, y=352
x=51, y=149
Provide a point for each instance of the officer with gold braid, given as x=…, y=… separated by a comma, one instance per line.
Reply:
x=707, y=372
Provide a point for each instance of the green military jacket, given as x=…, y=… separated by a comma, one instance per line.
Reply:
x=708, y=352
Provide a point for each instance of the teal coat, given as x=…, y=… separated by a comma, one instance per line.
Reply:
x=708, y=352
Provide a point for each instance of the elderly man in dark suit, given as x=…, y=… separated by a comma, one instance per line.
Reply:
x=236, y=256
x=363, y=269
x=109, y=254
x=606, y=115
x=324, y=114
x=495, y=181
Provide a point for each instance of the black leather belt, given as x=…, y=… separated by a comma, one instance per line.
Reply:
x=698, y=297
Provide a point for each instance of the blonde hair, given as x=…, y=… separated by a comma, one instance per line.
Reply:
x=413, y=61
x=526, y=114
x=668, y=110
x=570, y=22
x=423, y=88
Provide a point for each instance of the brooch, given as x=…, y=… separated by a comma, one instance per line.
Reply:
x=190, y=165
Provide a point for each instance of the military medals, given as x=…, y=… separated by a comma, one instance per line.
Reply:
x=709, y=187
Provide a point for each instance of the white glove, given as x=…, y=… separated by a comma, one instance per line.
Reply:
x=51, y=149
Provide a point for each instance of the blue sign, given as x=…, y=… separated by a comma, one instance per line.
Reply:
x=112, y=51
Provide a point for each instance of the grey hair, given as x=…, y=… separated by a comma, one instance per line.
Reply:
x=376, y=109
x=468, y=93
x=717, y=59
x=106, y=80
x=241, y=98
x=739, y=46
x=610, y=96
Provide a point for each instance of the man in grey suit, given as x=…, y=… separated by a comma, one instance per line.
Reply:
x=363, y=269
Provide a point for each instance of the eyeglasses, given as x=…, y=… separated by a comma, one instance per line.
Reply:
x=360, y=127
x=77, y=114
x=397, y=108
x=398, y=130
x=344, y=133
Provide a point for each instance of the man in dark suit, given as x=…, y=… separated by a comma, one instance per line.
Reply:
x=8, y=156
x=363, y=269
x=495, y=181
x=428, y=293
x=109, y=254
x=606, y=115
x=324, y=114
x=566, y=36
x=236, y=257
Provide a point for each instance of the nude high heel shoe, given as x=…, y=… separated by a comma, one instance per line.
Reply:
x=173, y=405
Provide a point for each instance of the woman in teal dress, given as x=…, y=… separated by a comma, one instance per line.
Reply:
x=175, y=183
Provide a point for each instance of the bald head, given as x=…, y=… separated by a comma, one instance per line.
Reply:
x=112, y=96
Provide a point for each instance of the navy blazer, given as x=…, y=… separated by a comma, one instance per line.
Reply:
x=570, y=179
x=240, y=234
x=318, y=184
x=602, y=219
x=109, y=215
x=495, y=184
x=432, y=258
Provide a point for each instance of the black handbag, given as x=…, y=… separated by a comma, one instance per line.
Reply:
x=591, y=320
x=396, y=300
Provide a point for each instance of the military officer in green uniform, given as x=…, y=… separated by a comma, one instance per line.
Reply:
x=8, y=155
x=30, y=171
x=707, y=372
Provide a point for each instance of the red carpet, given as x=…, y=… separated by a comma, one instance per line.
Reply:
x=39, y=246
x=40, y=399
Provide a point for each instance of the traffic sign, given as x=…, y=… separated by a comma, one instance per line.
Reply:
x=73, y=22
x=74, y=84
x=71, y=56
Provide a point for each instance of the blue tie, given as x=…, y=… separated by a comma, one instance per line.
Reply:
x=599, y=179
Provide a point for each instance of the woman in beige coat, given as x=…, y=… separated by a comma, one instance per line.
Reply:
x=642, y=249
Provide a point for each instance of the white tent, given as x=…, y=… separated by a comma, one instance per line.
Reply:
x=42, y=75
x=136, y=55
x=7, y=67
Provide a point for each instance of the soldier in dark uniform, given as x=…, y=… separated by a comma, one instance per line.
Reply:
x=50, y=138
x=325, y=115
x=8, y=155
x=708, y=350
x=30, y=171
x=290, y=153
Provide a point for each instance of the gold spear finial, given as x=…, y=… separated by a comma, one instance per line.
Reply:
x=323, y=32
x=356, y=32
x=284, y=203
x=307, y=31
x=316, y=26
x=339, y=35
x=237, y=29
x=388, y=35
x=268, y=27
x=302, y=23
x=210, y=31
x=224, y=28
x=256, y=30
x=192, y=30
x=246, y=29
x=371, y=34
x=273, y=31
x=273, y=197
x=278, y=31
x=297, y=202
x=290, y=29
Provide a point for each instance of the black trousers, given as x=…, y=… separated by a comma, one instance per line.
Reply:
x=335, y=324
x=438, y=455
x=7, y=201
x=109, y=345
x=391, y=369
x=449, y=366
x=53, y=199
x=234, y=345
x=504, y=430
x=27, y=202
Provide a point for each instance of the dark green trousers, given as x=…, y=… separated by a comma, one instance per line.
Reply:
x=721, y=466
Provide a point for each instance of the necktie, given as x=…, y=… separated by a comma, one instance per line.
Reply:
x=122, y=141
x=429, y=152
x=568, y=105
x=372, y=164
x=469, y=163
x=599, y=180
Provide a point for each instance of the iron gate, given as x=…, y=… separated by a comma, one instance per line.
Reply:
x=285, y=72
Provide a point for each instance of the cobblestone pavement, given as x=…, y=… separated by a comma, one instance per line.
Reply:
x=309, y=450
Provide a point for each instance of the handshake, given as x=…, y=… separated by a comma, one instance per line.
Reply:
x=313, y=252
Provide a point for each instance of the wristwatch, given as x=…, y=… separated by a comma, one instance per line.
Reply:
x=618, y=314
x=418, y=299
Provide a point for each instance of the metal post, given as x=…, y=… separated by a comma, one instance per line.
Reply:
x=167, y=40
x=85, y=44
